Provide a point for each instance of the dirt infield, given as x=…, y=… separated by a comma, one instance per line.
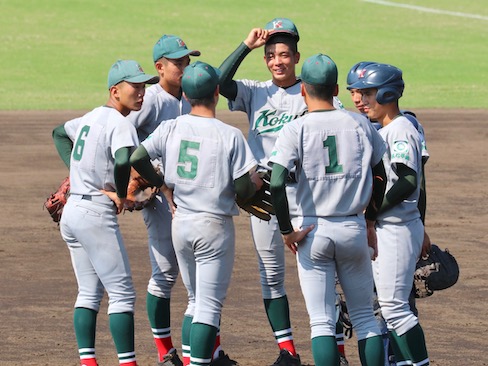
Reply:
x=38, y=288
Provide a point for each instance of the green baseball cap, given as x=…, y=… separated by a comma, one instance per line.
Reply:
x=282, y=25
x=171, y=47
x=319, y=70
x=199, y=80
x=130, y=71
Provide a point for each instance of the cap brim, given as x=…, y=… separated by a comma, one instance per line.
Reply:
x=286, y=32
x=144, y=78
x=358, y=85
x=182, y=53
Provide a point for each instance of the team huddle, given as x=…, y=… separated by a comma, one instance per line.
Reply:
x=347, y=189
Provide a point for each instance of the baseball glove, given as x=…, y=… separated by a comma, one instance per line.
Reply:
x=56, y=201
x=259, y=205
x=438, y=271
x=139, y=193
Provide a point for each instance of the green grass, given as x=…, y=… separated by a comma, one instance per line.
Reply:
x=55, y=54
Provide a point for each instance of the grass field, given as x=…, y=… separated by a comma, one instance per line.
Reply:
x=55, y=54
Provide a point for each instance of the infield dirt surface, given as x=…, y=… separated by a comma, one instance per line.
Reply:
x=38, y=288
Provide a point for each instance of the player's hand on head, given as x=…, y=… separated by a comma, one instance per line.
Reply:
x=256, y=38
x=293, y=239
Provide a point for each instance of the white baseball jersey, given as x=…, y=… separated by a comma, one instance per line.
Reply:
x=158, y=106
x=333, y=152
x=268, y=108
x=201, y=159
x=96, y=137
x=404, y=145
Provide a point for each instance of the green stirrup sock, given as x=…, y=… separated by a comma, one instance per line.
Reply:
x=185, y=332
x=202, y=341
x=85, y=323
x=415, y=340
x=399, y=347
x=278, y=312
x=324, y=350
x=371, y=351
x=122, y=329
x=158, y=311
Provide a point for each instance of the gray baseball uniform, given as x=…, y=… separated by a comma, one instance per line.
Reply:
x=201, y=158
x=333, y=153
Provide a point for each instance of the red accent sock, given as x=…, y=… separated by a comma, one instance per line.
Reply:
x=186, y=361
x=131, y=363
x=89, y=362
x=289, y=346
x=341, y=349
x=164, y=346
x=217, y=346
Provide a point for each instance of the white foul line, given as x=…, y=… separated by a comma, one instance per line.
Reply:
x=428, y=10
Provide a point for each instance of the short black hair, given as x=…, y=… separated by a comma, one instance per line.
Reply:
x=322, y=92
x=206, y=101
x=288, y=39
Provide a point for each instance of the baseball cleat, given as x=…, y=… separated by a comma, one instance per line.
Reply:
x=171, y=359
x=287, y=359
x=223, y=360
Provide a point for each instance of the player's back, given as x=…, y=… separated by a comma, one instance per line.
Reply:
x=336, y=151
x=202, y=158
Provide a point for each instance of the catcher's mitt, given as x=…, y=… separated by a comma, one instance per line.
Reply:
x=56, y=201
x=259, y=205
x=438, y=271
x=139, y=193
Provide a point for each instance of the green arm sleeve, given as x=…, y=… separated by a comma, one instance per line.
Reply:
x=278, y=197
x=404, y=187
x=122, y=171
x=228, y=87
x=379, y=187
x=141, y=162
x=63, y=144
x=244, y=187
x=422, y=205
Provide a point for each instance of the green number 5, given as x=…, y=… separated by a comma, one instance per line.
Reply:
x=185, y=170
x=80, y=143
x=334, y=166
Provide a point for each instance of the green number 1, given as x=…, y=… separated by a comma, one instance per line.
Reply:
x=184, y=158
x=334, y=166
x=80, y=143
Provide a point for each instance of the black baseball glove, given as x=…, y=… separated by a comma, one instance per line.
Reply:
x=259, y=205
x=438, y=271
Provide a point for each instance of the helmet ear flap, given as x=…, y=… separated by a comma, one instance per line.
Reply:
x=388, y=94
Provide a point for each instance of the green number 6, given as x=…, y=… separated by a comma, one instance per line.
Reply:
x=80, y=143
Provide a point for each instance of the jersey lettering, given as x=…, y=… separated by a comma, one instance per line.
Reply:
x=187, y=163
x=331, y=146
x=80, y=143
x=268, y=121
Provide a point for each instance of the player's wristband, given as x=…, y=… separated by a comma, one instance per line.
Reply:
x=286, y=232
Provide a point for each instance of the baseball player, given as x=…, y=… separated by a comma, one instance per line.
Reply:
x=356, y=96
x=269, y=106
x=334, y=154
x=99, y=145
x=206, y=163
x=399, y=225
x=164, y=101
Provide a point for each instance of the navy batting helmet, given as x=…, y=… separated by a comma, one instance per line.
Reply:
x=355, y=71
x=387, y=79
